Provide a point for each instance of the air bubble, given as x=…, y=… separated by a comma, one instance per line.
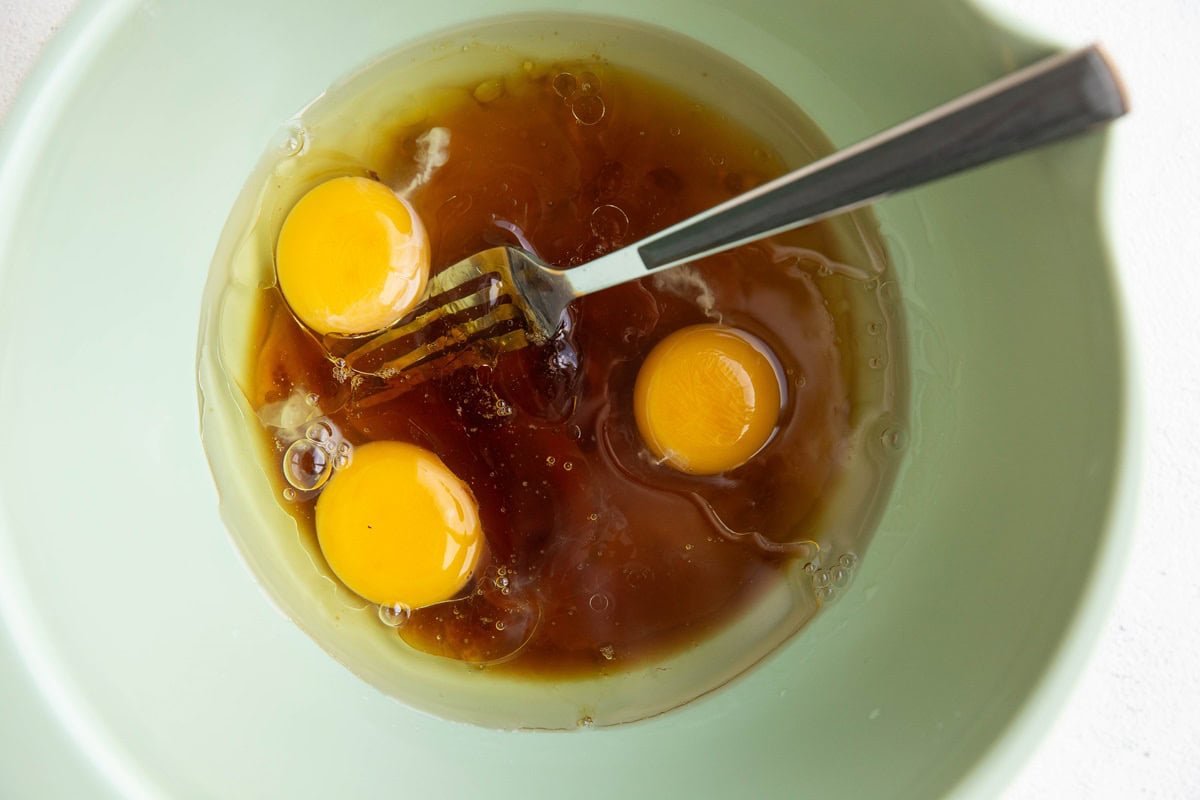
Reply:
x=824, y=595
x=875, y=328
x=675, y=131
x=341, y=462
x=588, y=109
x=564, y=84
x=568, y=466
x=289, y=494
x=875, y=362
x=609, y=222
x=312, y=399
x=689, y=547
x=810, y=568
x=394, y=616
x=319, y=432
x=593, y=517
x=306, y=465
x=488, y=91
x=549, y=461
x=344, y=448
x=821, y=579
x=840, y=576
x=893, y=439
x=589, y=84
x=500, y=625
x=608, y=651
x=848, y=560
x=599, y=602
x=294, y=143
x=575, y=432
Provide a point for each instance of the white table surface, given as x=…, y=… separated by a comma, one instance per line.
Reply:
x=1131, y=728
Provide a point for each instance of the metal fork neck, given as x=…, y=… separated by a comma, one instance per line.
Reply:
x=1049, y=101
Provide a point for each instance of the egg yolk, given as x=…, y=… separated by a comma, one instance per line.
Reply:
x=398, y=527
x=707, y=398
x=352, y=257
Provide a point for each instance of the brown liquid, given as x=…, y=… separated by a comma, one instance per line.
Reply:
x=595, y=553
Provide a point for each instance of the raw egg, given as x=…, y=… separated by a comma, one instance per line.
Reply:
x=707, y=398
x=352, y=257
x=398, y=527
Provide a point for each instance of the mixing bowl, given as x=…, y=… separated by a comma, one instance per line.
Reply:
x=931, y=675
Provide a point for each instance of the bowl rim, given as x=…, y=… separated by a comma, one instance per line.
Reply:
x=1033, y=718
x=39, y=100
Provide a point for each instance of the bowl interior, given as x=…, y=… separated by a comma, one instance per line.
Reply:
x=285, y=558
x=153, y=119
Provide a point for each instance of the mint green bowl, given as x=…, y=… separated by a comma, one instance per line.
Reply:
x=933, y=675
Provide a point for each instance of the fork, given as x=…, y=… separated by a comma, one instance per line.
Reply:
x=505, y=298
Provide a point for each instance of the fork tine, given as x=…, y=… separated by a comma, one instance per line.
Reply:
x=493, y=346
x=453, y=343
x=458, y=274
x=484, y=351
x=457, y=337
x=489, y=294
x=437, y=328
x=445, y=282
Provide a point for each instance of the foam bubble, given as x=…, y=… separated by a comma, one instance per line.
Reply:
x=588, y=109
x=564, y=84
x=306, y=465
x=488, y=91
x=320, y=431
x=394, y=616
x=609, y=223
x=589, y=84
x=893, y=438
x=295, y=141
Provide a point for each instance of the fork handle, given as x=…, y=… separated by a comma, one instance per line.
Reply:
x=1054, y=99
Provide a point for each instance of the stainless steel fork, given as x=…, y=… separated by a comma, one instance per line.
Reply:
x=505, y=298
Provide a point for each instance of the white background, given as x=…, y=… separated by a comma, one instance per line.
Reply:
x=1131, y=728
